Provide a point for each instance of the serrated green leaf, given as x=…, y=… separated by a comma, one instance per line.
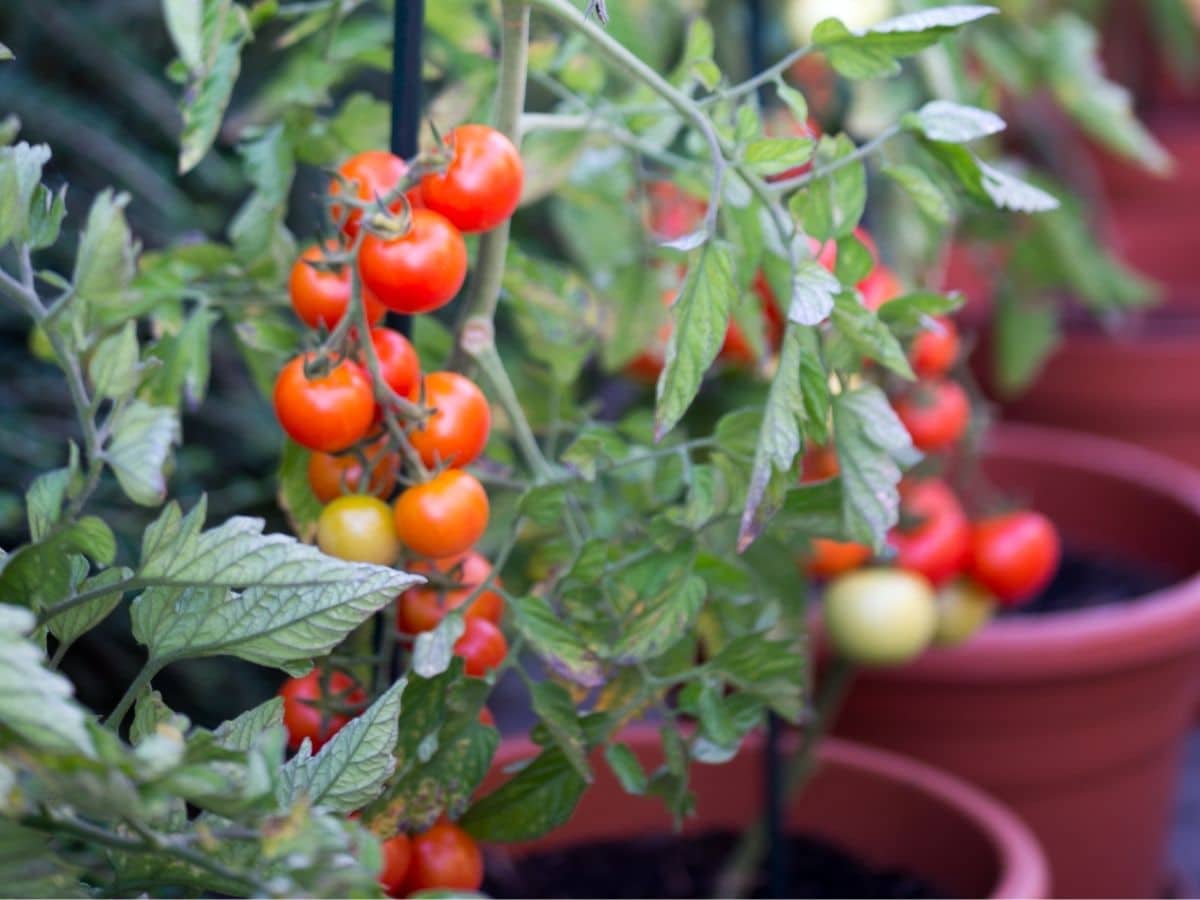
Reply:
x=107, y=256
x=624, y=764
x=832, y=205
x=771, y=156
x=295, y=495
x=69, y=626
x=871, y=444
x=224, y=29
x=544, y=504
x=42, y=574
x=554, y=708
x=536, y=800
x=773, y=671
x=235, y=591
x=555, y=642
x=943, y=120
x=434, y=649
x=868, y=335
x=813, y=290
x=34, y=702
x=47, y=210
x=873, y=53
x=1025, y=335
x=20, y=174
x=442, y=753
x=989, y=184
x=140, y=451
x=665, y=613
x=1103, y=108
x=351, y=768
x=923, y=192
x=181, y=377
x=113, y=368
x=779, y=437
x=242, y=732
x=700, y=315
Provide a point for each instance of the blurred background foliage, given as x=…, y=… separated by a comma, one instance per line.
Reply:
x=98, y=81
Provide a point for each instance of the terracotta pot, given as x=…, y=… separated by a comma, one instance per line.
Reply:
x=1139, y=385
x=887, y=810
x=1077, y=720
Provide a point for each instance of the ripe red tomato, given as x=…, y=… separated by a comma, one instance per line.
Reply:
x=880, y=286
x=935, y=413
x=819, y=464
x=828, y=558
x=937, y=546
x=422, y=608
x=482, y=647
x=1015, y=555
x=360, y=529
x=419, y=271
x=330, y=412
x=398, y=362
x=445, y=857
x=397, y=859
x=372, y=174
x=332, y=476
x=442, y=517
x=481, y=186
x=672, y=213
x=320, y=297
x=302, y=715
x=458, y=430
x=934, y=350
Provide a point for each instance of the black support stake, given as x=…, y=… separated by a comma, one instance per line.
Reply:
x=406, y=95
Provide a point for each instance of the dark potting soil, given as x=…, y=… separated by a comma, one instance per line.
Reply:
x=674, y=866
x=1085, y=580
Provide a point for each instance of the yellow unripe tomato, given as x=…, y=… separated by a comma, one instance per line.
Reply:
x=880, y=616
x=358, y=528
x=963, y=607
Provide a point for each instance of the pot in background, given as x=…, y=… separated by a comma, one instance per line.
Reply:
x=1077, y=720
x=886, y=810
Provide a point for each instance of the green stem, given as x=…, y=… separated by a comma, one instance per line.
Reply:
x=149, y=670
x=816, y=173
x=770, y=73
x=633, y=66
x=58, y=609
x=484, y=293
x=744, y=863
x=478, y=343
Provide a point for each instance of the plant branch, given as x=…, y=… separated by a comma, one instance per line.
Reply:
x=770, y=73
x=818, y=172
x=493, y=247
x=51, y=613
x=149, y=670
x=478, y=343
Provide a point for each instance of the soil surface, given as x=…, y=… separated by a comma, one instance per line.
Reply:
x=673, y=866
x=1087, y=580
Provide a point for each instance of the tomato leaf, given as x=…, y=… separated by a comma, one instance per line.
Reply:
x=240, y=733
x=20, y=174
x=942, y=120
x=773, y=671
x=832, y=204
x=701, y=316
x=536, y=800
x=556, y=711
x=140, y=451
x=924, y=192
x=556, y=643
x=233, y=590
x=107, y=255
x=625, y=765
x=213, y=65
x=350, y=769
x=113, y=368
x=872, y=444
x=36, y=703
x=868, y=335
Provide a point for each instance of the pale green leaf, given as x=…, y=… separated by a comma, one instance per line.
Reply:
x=700, y=315
x=107, y=255
x=113, y=368
x=140, y=451
x=20, y=174
x=868, y=335
x=434, y=649
x=943, y=120
x=233, y=590
x=69, y=626
x=35, y=703
x=351, y=768
x=242, y=732
x=923, y=191
x=772, y=156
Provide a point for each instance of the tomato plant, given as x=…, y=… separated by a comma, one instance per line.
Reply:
x=645, y=538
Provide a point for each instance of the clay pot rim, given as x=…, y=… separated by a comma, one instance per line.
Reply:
x=1023, y=869
x=1079, y=644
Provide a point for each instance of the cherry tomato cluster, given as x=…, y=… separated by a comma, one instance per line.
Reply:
x=389, y=444
x=947, y=573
